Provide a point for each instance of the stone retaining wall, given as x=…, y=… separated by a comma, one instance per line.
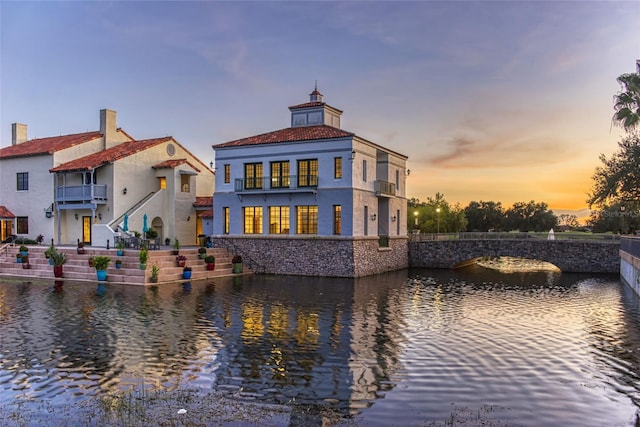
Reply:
x=317, y=256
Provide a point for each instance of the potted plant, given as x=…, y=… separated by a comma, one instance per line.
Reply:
x=186, y=272
x=101, y=262
x=19, y=258
x=24, y=251
x=181, y=260
x=144, y=257
x=118, y=263
x=202, y=252
x=25, y=263
x=120, y=247
x=59, y=259
x=176, y=247
x=152, y=234
x=154, y=273
x=167, y=241
x=80, y=247
x=48, y=252
x=210, y=260
x=237, y=263
x=39, y=239
x=90, y=261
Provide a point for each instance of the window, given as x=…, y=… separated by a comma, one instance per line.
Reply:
x=22, y=181
x=398, y=222
x=279, y=219
x=308, y=173
x=89, y=178
x=397, y=179
x=364, y=170
x=337, y=167
x=22, y=225
x=366, y=220
x=162, y=182
x=184, y=183
x=337, y=219
x=252, y=175
x=252, y=219
x=227, y=173
x=307, y=220
x=280, y=174
x=225, y=218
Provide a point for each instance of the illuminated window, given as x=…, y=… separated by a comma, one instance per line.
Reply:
x=225, y=220
x=252, y=219
x=227, y=173
x=252, y=175
x=307, y=219
x=337, y=167
x=22, y=179
x=308, y=173
x=163, y=182
x=279, y=219
x=184, y=183
x=280, y=175
x=337, y=219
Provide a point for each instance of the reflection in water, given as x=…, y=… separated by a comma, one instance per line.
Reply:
x=535, y=348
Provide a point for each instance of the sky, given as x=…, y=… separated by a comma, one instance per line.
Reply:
x=502, y=101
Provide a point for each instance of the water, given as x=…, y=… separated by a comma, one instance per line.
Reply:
x=425, y=347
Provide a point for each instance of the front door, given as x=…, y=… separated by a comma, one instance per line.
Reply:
x=86, y=230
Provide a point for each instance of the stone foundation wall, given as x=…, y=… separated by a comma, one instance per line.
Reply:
x=317, y=256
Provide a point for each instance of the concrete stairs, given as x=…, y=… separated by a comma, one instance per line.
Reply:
x=77, y=266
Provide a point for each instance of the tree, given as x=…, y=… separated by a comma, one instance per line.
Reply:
x=485, y=216
x=618, y=179
x=530, y=216
x=568, y=221
x=616, y=218
x=435, y=215
x=627, y=102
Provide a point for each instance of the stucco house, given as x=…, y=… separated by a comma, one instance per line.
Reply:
x=79, y=187
x=311, y=198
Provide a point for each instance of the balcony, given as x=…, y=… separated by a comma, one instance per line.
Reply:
x=384, y=188
x=81, y=196
x=283, y=184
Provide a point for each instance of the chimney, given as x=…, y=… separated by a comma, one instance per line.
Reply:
x=108, y=127
x=18, y=133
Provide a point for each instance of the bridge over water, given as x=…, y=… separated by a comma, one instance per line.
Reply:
x=588, y=253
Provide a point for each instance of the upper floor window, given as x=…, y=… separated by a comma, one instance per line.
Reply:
x=337, y=167
x=184, y=183
x=308, y=173
x=280, y=174
x=227, y=173
x=252, y=175
x=22, y=225
x=252, y=218
x=364, y=170
x=307, y=219
x=89, y=178
x=22, y=179
x=397, y=179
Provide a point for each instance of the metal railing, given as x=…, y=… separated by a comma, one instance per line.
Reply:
x=630, y=245
x=280, y=183
x=513, y=236
x=384, y=188
x=81, y=193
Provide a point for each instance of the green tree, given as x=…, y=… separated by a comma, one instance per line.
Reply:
x=616, y=218
x=568, y=221
x=485, y=216
x=435, y=215
x=627, y=102
x=531, y=216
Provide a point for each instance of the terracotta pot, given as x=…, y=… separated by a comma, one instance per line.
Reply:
x=57, y=271
x=211, y=266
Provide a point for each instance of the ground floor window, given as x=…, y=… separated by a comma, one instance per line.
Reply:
x=22, y=225
x=337, y=219
x=252, y=219
x=279, y=219
x=307, y=219
x=225, y=219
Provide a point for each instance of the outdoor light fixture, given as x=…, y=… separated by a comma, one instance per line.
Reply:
x=189, y=218
x=211, y=165
x=353, y=155
x=76, y=215
x=48, y=214
x=393, y=218
x=373, y=217
x=100, y=216
x=408, y=172
x=124, y=190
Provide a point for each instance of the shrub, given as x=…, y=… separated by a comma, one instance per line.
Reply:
x=236, y=259
x=210, y=259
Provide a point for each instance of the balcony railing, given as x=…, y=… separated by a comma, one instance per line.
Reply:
x=91, y=193
x=281, y=183
x=384, y=188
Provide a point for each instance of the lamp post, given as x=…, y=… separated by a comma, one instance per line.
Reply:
x=415, y=214
x=438, y=219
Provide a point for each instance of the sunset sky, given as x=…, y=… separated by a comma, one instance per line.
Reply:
x=502, y=101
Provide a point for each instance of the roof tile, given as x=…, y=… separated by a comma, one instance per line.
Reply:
x=6, y=213
x=47, y=145
x=302, y=133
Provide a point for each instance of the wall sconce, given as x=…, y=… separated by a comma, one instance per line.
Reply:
x=100, y=216
x=76, y=215
x=211, y=165
x=48, y=214
x=408, y=172
x=124, y=190
x=393, y=218
x=353, y=155
x=373, y=217
x=189, y=218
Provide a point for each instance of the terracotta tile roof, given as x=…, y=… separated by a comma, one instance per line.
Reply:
x=206, y=214
x=203, y=202
x=302, y=133
x=313, y=104
x=109, y=155
x=48, y=145
x=174, y=163
x=6, y=213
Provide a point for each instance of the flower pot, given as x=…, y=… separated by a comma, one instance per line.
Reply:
x=118, y=264
x=26, y=266
x=19, y=260
x=181, y=263
x=24, y=253
x=80, y=251
x=50, y=261
x=202, y=256
x=186, y=274
x=237, y=267
x=120, y=252
x=154, y=279
x=211, y=266
x=102, y=275
x=57, y=271
x=143, y=266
